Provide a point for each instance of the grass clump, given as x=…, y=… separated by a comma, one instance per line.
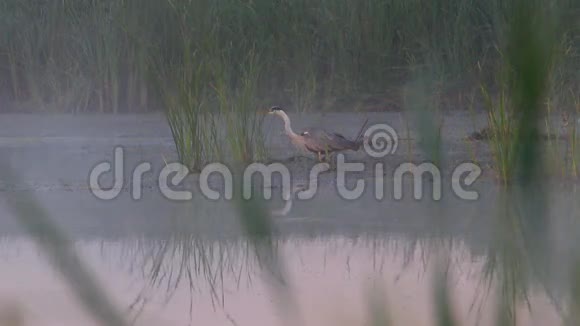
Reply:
x=523, y=90
x=215, y=121
x=192, y=124
x=502, y=128
x=211, y=107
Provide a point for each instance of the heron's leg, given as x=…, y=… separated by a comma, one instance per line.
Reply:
x=322, y=158
x=328, y=159
x=332, y=161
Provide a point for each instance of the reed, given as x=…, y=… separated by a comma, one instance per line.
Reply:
x=75, y=56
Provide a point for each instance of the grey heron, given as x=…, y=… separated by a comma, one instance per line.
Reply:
x=316, y=140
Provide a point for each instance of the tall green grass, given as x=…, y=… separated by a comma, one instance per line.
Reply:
x=76, y=56
x=211, y=106
x=502, y=127
x=527, y=84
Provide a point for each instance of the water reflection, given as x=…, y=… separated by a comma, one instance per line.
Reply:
x=187, y=275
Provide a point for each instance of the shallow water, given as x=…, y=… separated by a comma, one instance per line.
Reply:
x=330, y=280
x=165, y=262
x=187, y=263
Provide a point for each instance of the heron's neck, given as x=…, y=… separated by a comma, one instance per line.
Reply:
x=288, y=126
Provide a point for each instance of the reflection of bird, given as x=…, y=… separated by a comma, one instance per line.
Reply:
x=318, y=141
x=290, y=198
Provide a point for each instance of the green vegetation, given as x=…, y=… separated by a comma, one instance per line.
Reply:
x=209, y=61
x=106, y=56
x=527, y=82
x=60, y=252
x=501, y=126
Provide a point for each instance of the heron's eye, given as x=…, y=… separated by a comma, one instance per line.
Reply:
x=305, y=133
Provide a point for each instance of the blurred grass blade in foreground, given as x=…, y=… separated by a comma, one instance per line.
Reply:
x=442, y=298
x=258, y=229
x=60, y=251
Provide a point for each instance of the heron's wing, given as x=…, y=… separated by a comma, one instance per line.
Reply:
x=340, y=142
x=320, y=140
